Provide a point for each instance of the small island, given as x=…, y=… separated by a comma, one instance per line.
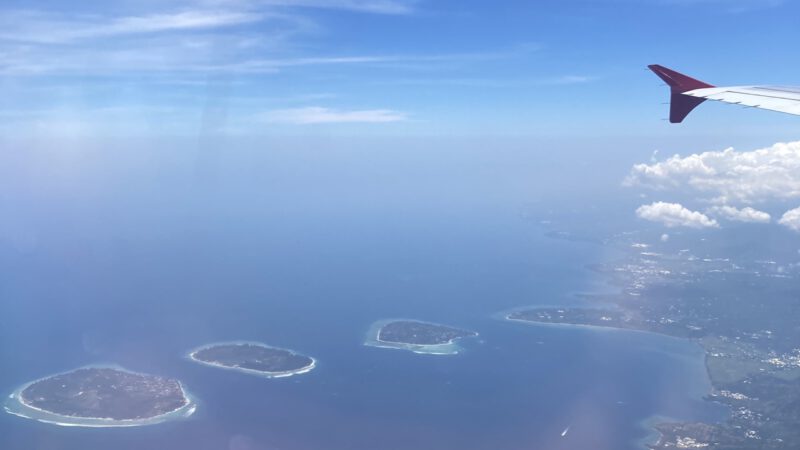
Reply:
x=416, y=336
x=104, y=396
x=253, y=358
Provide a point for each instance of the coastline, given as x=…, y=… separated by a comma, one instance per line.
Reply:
x=261, y=373
x=447, y=348
x=582, y=326
x=17, y=406
x=655, y=437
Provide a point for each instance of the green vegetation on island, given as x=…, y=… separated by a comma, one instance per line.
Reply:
x=253, y=358
x=100, y=397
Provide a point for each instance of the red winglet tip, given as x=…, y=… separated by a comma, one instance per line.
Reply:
x=679, y=82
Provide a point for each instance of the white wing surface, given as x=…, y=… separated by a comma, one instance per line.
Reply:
x=773, y=98
x=687, y=93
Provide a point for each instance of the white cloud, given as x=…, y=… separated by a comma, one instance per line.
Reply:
x=41, y=27
x=746, y=214
x=184, y=36
x=319, y=115
x=568, y=79
x=191, y=43
x=771, y=173
x=27, y=26
x=791, y=219
x=367, y=6
x=675, y=215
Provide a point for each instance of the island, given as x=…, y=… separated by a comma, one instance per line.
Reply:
x=416, y=336
x=253, y=358
x=603, y=318
x=739, y=308
x=101, y=396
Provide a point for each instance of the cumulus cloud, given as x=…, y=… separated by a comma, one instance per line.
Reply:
x=318, y=115
x=675, y=215
x=791, y=219
x=727, y=176
x=746, y=214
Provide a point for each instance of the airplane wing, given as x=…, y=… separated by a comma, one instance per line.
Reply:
x=687, y=93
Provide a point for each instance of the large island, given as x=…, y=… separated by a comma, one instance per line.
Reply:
x=603, y=318
x=253, y=358
x=740, y=308
x=101, y=397
x=416, y=336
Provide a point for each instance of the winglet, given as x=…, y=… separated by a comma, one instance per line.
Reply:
x=680, y=105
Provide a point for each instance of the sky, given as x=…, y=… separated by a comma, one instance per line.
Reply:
x=147, y=68
x=567, y=79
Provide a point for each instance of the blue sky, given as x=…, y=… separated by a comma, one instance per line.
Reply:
x=385, y=67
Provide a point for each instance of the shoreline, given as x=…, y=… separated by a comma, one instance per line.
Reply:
x=261, y=373
x=591, y=327
x=606, y=328
x=654, y=437
x=450, y=347
x=28, y=411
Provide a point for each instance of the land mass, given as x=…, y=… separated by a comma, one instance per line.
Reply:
x=421, y=333
x=100, y=397
x=254, y=358
x=418, y=337
x=741, y=311
x=606, y=318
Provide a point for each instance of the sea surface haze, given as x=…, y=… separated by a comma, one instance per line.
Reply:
x=137, y=258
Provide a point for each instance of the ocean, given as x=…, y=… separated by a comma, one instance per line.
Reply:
x=135, y=262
